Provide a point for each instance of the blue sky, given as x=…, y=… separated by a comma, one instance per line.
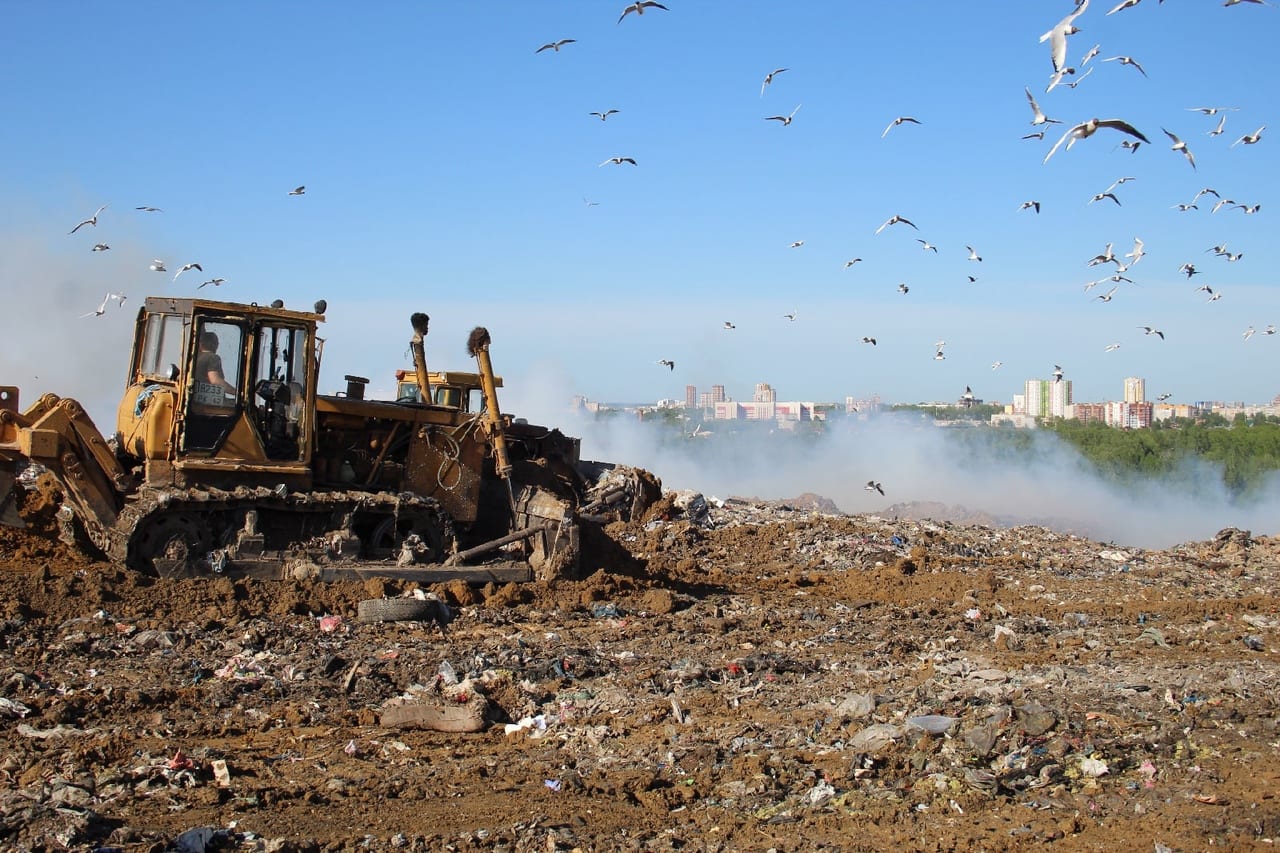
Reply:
x=448, y=168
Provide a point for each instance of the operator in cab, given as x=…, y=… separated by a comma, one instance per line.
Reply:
x=211, y=386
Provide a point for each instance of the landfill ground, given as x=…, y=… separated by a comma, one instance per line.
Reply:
x=745, y=676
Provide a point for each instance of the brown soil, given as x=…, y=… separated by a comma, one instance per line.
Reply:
x=692, y=692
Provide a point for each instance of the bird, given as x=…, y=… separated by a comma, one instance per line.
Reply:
x=603, y=115
x=939, y=356
x=897, y=121
x=1111, y=348
x=995, y=365
x=1248, y=333
x=786, y=120
x=1126, y=60
x=1106, y=297
x=939, y=344
x=1249, y=208
x=972, y=279
x=1076, y=82
x=555, y=45
x=768, y=78
x=1039, y=134
x=873, y=486
x=186, y=267
x=1037, y=116
x=1215, y=297
x=1206, y=191
x=1093, y=51
x=894, y=220
x=1179, y=145
x=639, y=8
x=1057, y=36
x=1217, y=131
x=298, y=191
x=106, y=300
x=148, y=209
x=1188, y=270
x=1032, y=204
x=1124, y=4
x=1088, y=128
x=1164, y=397
x=1269, y=330
x=1107, y=256
x=1118, y=181
x=1130, y=145
x=667, y=363
x=158, y=265
x=216, y=282
x=1220, y=249
x=1205, y=288
x=618, y=161
x=1101, y=196
x=851, y=262
x=1257, y=2
x=973, y=256
x=99, y=247
x=1149, y=330
x=92, y=220
x=1211, y=110
x=796, y=244
x=1057, y=373
x=927, y=246
x=728, y=325
x=1139, y=251
x=791, y=316
x=967, y=396
x=589, y=203
x=867, y=340
x=1220, y=203
x=1185, y=207
x=1250, y=138
x=902, y=288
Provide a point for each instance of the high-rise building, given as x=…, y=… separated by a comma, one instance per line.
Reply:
x=764, y=393
x=690, y=397
x=1044, y=398
x=1135, y=390
x=717, y=394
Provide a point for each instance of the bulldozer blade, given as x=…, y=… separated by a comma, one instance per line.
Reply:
x=8, y=497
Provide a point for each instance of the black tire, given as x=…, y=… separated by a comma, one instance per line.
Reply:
x=397, y=610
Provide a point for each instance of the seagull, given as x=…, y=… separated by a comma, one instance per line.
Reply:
x=1211, y=110
x=894, y=220
x=148, y=209
x=589, y=203
x=298, y=191
x=1258, y=2
x=216, y=282
x=186, y=267
x=926, y=246
x=972, y=280
x=939, y=356
x=1164, y=397
x=1248, y=333
x=1189, y=270
x=1126, y=60
x=1249, y=208
x=1222, y=202
x=967, y=396
x=873, y=486
x=1039, y=134
x=1118, y=181
x=92, y=220
x=851, y=262
x=1233, y=258
x=1131, y=146
x=867, y=340
x=1057, y=373
x=1037, y=116
x=555, y=45
x=1057, y=37
x=1092, y=284
x=1185, y=207
x=973, y=256
x=1118, y=277
x=1076, y=82
x=1148, y=330
x=897, y=121
x=603, y=115
x=639, y=8
x=791, y=316
x=1031, y=204
x=939, y=344
x=618, y=161
x=1247, y=139
x=1093, y=51
x=796, y=245
x=1106, y=297
x=1220, y=249
x=768, y=78
x=1207, y=191
x=1088, y=128
x=1179, y=145
x=1106, y=256
x=1101, y=196
x=101, y=309
x=100, y=247
x=728, y=325
x=1111, y=348
x=902, y=288
x=995, y=365
x=667, y=363
x=1216, y=296
x=786, y=120
x=1125, y=4
x=158, y=265
x=1269, y=330
x=1205, y=288
x=1138, y=251
x=1217, y=131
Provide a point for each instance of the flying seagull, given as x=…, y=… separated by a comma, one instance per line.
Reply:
x=894, y=220
x=1124, y=4
x=1138, y=253
x=639, y=8
x=796, y=244
x=106, y=300
x=1222, y=124
x=1057, y=37
x=1093, y=51
x=1164, y=397
x=1039, y=134
x=148, y=209
x=786, y=120
x=1248, y=333
x=768, y=78
x=897, y=121
x=1057, y=373
x=867, y=340
x=873, y=486
x=927, y=246
x=791, y=316
x=1101, y=196
x=1179, y=145
x=1222, y=202
x=158, y=265
x=851, y=262
x=1117, y=182
x=1185, y=207
x=973, y=256
x=1111, y=348
x=186, y=267
x=92, y=220
x=1247, y=139
x=1150, y=330
x=1106, y=297
x=555, y=45
x=1038, y=117
x=1130, y=145
x=1076, y=82
x=1088, y=128
x=1209, y=111
x=728, y=325
x=902, y=288
x=216, y=282
x=1126, y=60
x=995, y=365
x=1035, y=205
x=667, y=363
x=618, y=161
x=100, y=247
x=298, y=191
x=603, y=115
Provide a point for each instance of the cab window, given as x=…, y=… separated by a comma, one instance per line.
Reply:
x=213, y=389
x=280, y=389
x=163, y=345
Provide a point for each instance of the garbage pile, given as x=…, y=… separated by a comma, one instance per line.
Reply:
x=749, y=675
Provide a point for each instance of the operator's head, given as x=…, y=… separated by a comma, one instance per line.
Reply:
x=209, y=342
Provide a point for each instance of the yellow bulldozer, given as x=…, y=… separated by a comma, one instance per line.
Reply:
x=227, y=461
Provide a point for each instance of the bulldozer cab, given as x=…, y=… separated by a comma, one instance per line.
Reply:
x=453, y=389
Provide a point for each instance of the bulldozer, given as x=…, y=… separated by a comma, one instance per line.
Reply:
x=226, y=461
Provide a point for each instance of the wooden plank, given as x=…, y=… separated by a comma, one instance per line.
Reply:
x=462, y=717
